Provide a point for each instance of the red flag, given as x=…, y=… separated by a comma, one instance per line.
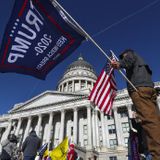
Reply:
x=104, y=90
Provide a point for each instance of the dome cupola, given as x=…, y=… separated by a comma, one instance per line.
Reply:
x=79, y=76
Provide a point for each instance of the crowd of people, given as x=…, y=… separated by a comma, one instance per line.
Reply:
x=10, y=151
x=144, y=99
x=29, y=149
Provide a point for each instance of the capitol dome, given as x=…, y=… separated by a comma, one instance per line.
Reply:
x=79, y=76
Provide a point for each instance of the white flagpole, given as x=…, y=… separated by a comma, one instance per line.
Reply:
x=91, y=39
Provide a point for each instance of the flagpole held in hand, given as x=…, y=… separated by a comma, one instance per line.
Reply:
x=124, y=74
x=91, y=39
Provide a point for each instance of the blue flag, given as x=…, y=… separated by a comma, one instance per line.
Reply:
x=42, y=149
x=37, y=38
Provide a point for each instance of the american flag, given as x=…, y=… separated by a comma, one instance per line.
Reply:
x=104, y=90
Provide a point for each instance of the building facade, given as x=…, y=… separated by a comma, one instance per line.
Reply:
x=68, y=112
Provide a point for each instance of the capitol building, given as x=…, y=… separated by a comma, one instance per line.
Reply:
x=68, y=112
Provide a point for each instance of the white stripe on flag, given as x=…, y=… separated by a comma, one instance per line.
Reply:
x=104, y=90
x=104, y=93
x=106, y=101
x=101, y=89
x=95, y=90
x=108, y=110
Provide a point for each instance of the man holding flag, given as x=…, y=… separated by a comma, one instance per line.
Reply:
x=144, y=97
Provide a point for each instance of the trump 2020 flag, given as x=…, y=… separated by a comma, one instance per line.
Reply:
x=36, y=39
x=104, y=90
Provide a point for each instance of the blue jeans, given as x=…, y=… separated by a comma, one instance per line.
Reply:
x=29, y=157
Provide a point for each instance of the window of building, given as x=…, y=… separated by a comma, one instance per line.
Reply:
x=77, y=85
x=100, y=130
x=125, y=127
x=113, y=143
x=65, y=87
x=123, y=112
x=126, y=141
x=71, y=131
x=111, y=129
x=85, y=129
x=109, y=117
x=85, y=142
x=82, y=84
x=89, y=85
x=70, y=86
x=113, y=158
x=101, y=143
x=60, y=88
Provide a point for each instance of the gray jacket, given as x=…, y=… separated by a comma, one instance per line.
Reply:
x=9, y=147
x=31, y=145
x=137, y=71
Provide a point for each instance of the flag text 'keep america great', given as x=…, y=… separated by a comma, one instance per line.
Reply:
x=36, y=39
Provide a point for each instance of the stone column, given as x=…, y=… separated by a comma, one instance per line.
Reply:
x=7, y=131
x=97, y=128
x=62, y=87
x=59, y=89
x=129, y=109
x=75, y=125
x=107, y=132
x=103, y=130
x=79, y=84
x=92, y=84
x=27, y=128
x=39, y=124
x=94, y=128
x=67, y=87
x=120, y=138
x=89, y=127
x=62, y=126
x=18, y=126
x=49, y=128
x=86, y=83
x=73, y=86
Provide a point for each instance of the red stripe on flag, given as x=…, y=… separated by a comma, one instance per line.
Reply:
x=109, y=105
x=23, y=8
x=98, y=95
x=106, y=98
x=104, y=91
x=106, y=88
x=95, y=86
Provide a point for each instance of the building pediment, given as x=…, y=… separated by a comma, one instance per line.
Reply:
x=45, y=99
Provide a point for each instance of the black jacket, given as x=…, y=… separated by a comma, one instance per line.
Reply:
x=31, y=145
x=137, y=71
